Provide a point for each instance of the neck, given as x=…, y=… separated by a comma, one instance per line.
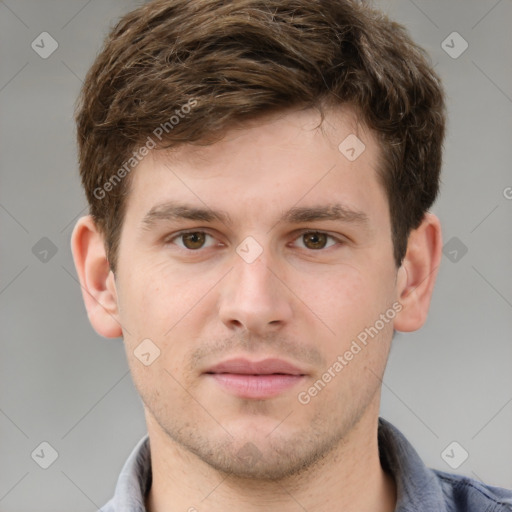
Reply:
x=349, y=478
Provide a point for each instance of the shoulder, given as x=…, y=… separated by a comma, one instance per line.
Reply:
x=469, y=495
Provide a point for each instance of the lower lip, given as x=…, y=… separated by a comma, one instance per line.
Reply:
x=256, y=386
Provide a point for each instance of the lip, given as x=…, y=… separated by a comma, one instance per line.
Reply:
x=255, y=379
x=265, y=367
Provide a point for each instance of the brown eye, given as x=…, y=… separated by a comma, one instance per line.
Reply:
x=193, y=240
x=315, y=240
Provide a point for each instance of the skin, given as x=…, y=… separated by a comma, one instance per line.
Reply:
x=302, y=300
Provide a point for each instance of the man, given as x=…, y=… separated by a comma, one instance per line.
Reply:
x=259, y=174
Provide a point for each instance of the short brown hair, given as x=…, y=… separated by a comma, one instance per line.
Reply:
x=239, y=59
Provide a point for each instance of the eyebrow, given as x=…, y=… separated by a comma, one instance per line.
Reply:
x=172, y=210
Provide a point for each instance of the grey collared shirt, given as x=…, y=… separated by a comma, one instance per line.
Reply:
x=419, y=489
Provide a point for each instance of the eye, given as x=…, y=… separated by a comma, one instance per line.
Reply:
x=191, y=240
x=195, y=240
x=316, y=240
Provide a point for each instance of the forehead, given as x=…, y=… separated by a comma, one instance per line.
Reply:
x=288, y=157
x=283, y=128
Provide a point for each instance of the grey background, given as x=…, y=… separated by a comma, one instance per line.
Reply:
x=63, y=384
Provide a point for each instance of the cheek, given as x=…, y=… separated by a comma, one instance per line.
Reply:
x=153, y=308
x=340, y=298
x=145, y=307
x=160, y=302
x=348, y=303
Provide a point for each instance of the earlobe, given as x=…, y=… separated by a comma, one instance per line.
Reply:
x=96, y=279
x=417, y=275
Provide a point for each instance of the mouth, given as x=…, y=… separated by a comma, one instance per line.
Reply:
x=255, y=379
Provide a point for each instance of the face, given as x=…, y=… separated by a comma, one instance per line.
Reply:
x=259, y=303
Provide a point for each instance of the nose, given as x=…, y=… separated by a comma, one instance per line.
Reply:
x=255, y=298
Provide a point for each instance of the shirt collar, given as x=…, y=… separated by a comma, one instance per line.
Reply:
x=418, y=488
x=135, y=479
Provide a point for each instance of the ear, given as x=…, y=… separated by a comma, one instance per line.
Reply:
x=417, y=275
x=96, y=278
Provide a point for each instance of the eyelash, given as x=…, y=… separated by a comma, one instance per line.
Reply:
x=301, y=233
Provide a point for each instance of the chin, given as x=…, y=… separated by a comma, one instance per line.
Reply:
x=254, y=451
